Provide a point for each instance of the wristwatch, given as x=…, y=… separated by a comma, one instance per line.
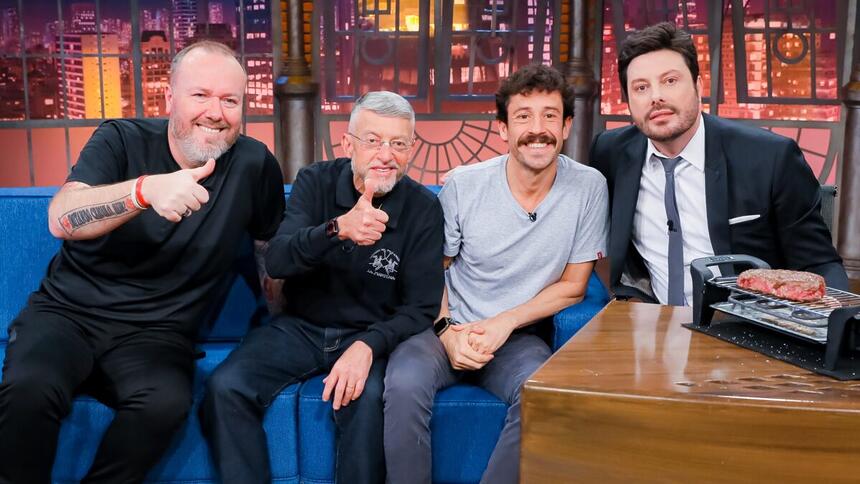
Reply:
x=331, y=228
x=441, y=325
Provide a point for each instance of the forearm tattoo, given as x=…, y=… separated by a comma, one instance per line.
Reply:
x=80, y=217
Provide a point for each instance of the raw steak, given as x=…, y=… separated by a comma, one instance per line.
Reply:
x=791, y=285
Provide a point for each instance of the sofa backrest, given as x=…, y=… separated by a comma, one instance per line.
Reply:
x=26, y=248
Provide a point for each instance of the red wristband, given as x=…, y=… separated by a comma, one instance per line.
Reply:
x=138, y=192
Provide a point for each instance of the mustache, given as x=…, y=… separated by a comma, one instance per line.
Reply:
x=660, y=107
x=537, y=138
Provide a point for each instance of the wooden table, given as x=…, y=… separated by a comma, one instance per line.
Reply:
x=636, y=397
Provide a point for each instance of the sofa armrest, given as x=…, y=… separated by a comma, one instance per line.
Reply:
x=571, y=319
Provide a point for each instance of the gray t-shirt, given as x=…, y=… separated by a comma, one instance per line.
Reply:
x=503, y=258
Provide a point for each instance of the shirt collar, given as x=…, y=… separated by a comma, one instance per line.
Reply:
x=694, y=152
x=392, y=203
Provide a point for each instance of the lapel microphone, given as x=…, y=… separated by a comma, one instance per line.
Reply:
x=671, y=225
x=533, y=216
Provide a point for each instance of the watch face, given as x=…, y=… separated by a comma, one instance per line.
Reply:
x=440, y=326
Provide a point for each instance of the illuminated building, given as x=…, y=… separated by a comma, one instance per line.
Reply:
x=155, y=71
x=83, y=17
x=184, y=18
x=43, y=87
x=11, y=89
x=258, y=31
x=157, y=19
x=83, y=78
x=216, y=13
x=10, y=29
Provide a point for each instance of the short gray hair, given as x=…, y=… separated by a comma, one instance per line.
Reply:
x=383, y=103
x=209, y=46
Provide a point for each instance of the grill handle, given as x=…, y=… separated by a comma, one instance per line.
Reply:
x=706, y=294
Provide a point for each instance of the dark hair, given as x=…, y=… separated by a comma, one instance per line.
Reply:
x=662, y=36
x=533, y=77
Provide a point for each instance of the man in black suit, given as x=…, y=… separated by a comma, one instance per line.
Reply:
x=684, y=184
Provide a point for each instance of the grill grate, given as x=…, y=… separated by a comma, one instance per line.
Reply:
x=833, y=299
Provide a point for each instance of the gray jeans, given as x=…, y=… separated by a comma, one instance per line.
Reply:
x=418, y=368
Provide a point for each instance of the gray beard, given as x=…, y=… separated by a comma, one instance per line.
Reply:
x=382, y=189
x=194, y=154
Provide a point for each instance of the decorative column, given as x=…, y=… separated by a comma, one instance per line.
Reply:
x=580, y=75
x=848, y=237
x=296, y=93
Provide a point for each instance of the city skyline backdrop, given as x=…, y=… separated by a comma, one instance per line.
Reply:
x=65, y=65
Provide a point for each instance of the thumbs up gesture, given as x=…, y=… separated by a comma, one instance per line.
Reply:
x=363, y=224
x=178, y=194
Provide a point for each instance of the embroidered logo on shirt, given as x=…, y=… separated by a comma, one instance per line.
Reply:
x=383, y=263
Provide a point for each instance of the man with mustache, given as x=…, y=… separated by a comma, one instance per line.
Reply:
x=152, y=216
x=360, y=252
x=685, y=185
x=522, y=232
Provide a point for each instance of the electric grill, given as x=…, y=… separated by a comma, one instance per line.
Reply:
x=821, y=336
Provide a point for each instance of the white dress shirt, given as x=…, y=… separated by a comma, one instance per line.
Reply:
x=650, y=229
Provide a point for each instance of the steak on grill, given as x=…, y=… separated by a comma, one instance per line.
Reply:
x=792, y=285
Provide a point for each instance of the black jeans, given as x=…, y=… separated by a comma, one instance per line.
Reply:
x=53, y=355
x=270, y=358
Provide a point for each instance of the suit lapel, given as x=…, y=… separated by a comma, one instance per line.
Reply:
x=716, y=188
x=626, y=193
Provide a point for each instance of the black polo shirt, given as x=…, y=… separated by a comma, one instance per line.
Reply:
x=390, y=290
x=150, y=271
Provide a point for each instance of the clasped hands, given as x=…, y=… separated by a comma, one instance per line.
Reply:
x=470, y=346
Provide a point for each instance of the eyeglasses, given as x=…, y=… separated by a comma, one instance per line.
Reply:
x=374, y=143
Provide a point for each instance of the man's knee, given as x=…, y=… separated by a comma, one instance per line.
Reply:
x=369, y=403
x=34, y=391
x=410, y=374
x=403, y=379
x=166, y=407
x=226, y=382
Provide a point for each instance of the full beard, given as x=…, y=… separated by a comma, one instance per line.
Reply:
x=195, y=153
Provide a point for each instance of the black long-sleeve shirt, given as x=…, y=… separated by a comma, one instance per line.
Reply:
x=391, y=289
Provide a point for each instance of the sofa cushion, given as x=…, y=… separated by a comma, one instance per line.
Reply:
x=465, y=425
x=188, y=459
x=571, y=319
x=26, y=247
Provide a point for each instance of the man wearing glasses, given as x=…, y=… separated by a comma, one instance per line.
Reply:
x=360, y=252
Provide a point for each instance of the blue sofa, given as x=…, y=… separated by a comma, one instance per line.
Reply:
x=466, y=419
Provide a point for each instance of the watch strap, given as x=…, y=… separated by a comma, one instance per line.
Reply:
x=332, y=228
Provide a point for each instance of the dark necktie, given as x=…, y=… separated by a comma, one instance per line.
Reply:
x=676, y=241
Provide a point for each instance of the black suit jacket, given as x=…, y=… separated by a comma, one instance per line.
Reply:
x=748, y=171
